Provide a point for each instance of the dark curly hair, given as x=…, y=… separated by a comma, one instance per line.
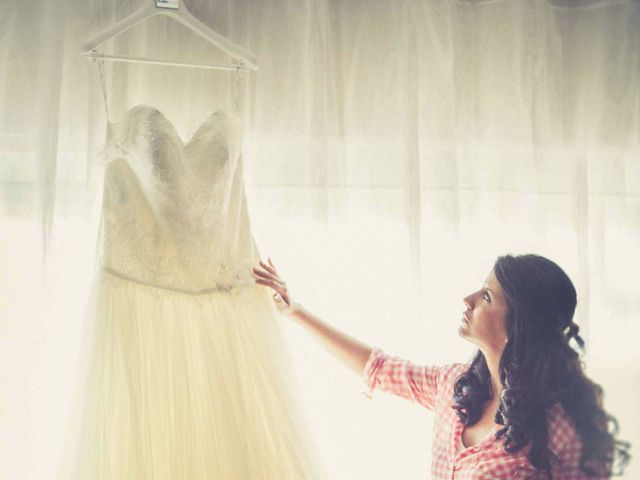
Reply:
x=538, y=368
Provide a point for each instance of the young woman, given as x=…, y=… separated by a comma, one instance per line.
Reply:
x=523, y=408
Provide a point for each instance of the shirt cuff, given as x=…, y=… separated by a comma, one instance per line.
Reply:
x=370, y=372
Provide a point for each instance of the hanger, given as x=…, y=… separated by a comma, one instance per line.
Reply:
x=179, y=13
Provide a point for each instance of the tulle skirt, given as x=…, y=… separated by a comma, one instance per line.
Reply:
x=181, y=386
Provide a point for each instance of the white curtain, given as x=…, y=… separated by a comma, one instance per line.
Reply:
x=392, y=151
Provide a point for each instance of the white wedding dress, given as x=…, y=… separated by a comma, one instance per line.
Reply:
x=188, y=376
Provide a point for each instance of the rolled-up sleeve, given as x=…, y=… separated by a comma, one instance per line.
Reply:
x=402, y=378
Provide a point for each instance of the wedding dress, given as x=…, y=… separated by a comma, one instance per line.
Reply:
x=189, y=377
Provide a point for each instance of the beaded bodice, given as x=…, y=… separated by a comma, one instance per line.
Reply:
x=175, y=213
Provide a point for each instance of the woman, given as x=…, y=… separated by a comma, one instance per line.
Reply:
x=523, y=408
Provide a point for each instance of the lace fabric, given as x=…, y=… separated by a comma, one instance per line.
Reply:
x=175, y=213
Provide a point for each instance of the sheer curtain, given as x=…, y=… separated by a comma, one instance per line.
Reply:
x=392, y=151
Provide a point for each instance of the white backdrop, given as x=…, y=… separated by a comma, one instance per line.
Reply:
x=392, y=151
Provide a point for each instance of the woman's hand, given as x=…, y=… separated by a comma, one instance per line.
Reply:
x=268, y=276
x=352, y=352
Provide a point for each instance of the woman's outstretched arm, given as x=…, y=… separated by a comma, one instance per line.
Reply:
x=351, y=352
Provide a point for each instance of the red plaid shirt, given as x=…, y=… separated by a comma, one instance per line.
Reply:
x=432, y=387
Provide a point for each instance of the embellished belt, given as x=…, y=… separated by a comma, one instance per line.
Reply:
x=220, y=287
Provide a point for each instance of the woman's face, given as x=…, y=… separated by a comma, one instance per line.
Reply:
x=484, y=320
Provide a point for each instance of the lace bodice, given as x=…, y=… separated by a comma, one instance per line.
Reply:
x=174, y=213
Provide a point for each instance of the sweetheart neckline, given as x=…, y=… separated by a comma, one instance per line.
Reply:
x=111, y=125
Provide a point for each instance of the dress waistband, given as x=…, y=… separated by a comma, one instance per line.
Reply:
x=221, y=287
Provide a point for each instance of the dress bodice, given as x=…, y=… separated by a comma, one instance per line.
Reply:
x=175, y=213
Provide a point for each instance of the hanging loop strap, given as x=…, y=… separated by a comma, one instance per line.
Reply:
x=103, y=85
x=238, y=74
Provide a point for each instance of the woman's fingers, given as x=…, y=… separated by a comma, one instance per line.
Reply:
x=268, y=268
x=269, y=276
x=261, y=273
x=270, y=283
x=275, y=286
x=272, y=265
